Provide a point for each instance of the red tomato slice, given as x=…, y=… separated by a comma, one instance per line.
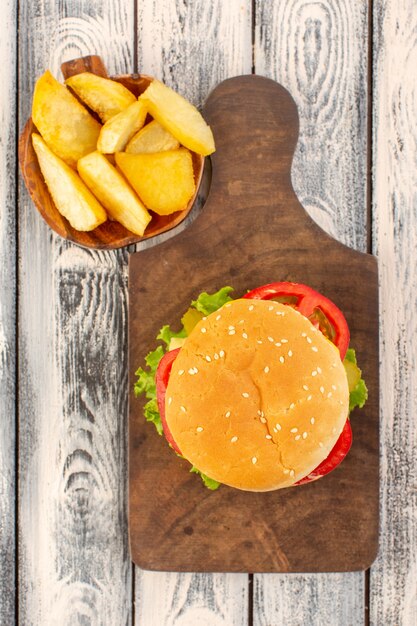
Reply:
x=321, y=311
x=161, y=379
x=336, y=456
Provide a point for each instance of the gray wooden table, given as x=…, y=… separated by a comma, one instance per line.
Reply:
x=351, y=67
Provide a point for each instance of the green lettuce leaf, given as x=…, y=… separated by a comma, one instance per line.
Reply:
x=359, y=395
x=208, y=303
x=151, y=413
x=208, y=482
x=166, y=334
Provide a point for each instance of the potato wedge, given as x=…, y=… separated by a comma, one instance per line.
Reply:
x=152, y=138
x=119, y=129
x=114, y=193
x=66, y=126
x=104, y=96
x=71, y=197
x=164, y=181
x=179, y=117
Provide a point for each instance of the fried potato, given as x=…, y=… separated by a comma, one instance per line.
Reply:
x=152, y=138
x=104, y=96
x=179, y=117
x=119, y=129
x=66, y=126
x=114, y=193
x=71, y=197
x=164, y=180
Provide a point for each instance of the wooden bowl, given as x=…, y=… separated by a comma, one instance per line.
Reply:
x=111, y=234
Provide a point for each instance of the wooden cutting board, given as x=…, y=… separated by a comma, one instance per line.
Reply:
x=252, y=231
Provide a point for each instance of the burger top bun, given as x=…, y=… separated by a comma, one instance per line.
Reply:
x=257, y=397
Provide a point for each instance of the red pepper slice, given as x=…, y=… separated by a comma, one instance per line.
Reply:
x=321, y=311
x=336, y=456
x=161, y=380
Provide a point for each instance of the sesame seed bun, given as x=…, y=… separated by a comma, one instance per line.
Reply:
x=257, y=397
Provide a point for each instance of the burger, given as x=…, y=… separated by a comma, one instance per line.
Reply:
x=255, y=392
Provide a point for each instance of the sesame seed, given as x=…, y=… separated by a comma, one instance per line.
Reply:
x=292, y=405
x=334, y=364
x=251, y=307
x=241, y=321
x=259, y=341
x=203, y=330
x=227, y=414
x=278, y=345
x=309, y=340
x=232, y=332
x=244, y=335
x=334, y=387
x=281, y=359
x=199, y=429
x=289, y=352
x=309, y=397
x=266, y=369
x=294, y=430
x=305, y=435
x=245, y=395
x=314, y=373
x=191, y=371
x=260, y=413
x=278, y=426
x=320, y=444
x=227, y=305
x=270, y=308
x=321, y=389
x=218, y=317
x=180, y=372
x=312, y=420
x=286, y=471
x=183, y=409
x=319, y=370
x=297, y=437
x=204, y=318
x=263, y=420
x=216, y=356
x=315, y=349
x=329, y=395
x=275, y=430
x=270, y=339
x=208, y=358
x=280, y=313
x=268, y=436
x=303, y=334
x=231, y=327
x=284, y=340
x=305, y=387
x=169, y=401
x=340, y=402
x=233, y=439
x=292, y=473
x=221, y=354
x=254, y=460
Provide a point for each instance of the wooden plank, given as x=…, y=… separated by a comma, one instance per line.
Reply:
x=7, y=309
x=192, y=48
x=393, y=590
x=319, y=52
x=74, y=564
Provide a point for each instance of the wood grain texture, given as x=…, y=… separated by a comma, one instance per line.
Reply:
x=251, y=225
x=192, y=47
x=393, y=582
x=7, y=309
x=318, y=50
x=74, y=565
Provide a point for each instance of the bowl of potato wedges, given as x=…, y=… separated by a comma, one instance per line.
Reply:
x=109, y=162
